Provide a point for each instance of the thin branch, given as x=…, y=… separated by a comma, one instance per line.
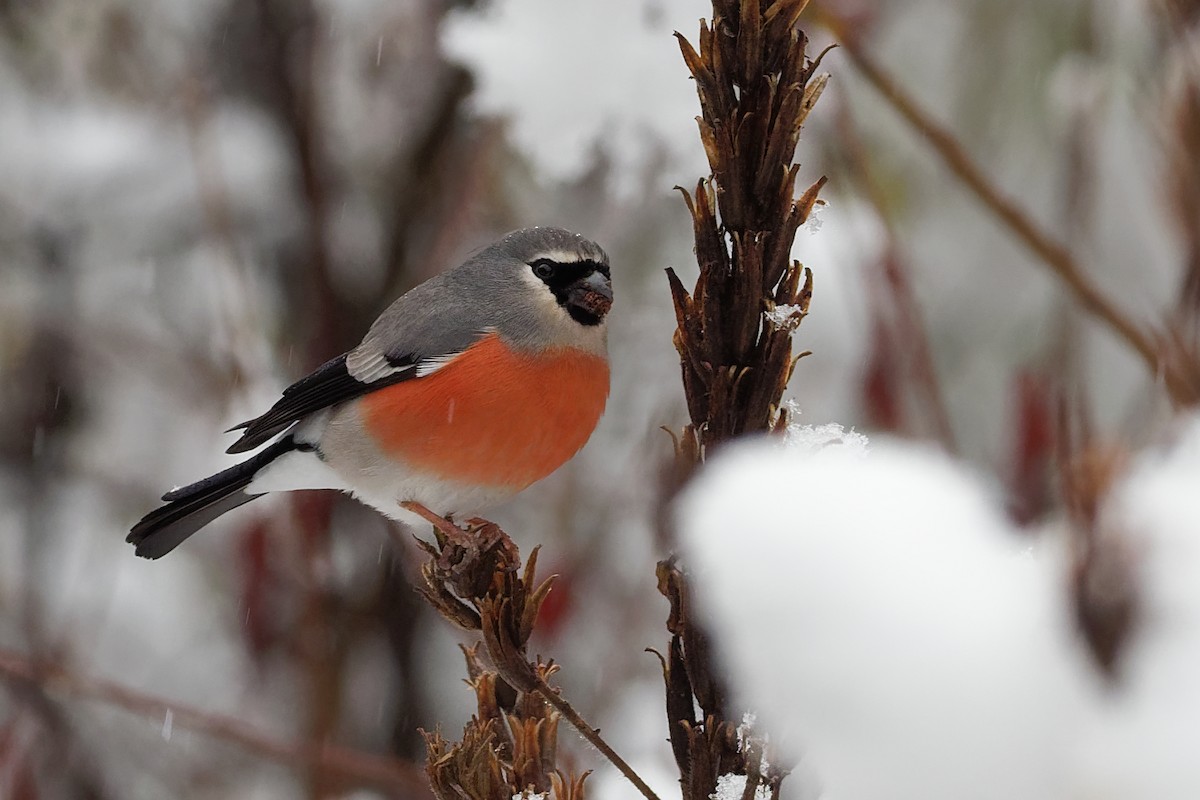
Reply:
x=361, y=769
x=593, y=736
x=1052, y=253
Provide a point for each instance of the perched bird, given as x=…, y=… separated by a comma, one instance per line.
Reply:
x=466, y=390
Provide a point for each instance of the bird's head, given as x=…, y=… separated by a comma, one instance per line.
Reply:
x=549, y=287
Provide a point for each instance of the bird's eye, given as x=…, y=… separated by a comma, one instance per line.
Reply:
x=543, y=270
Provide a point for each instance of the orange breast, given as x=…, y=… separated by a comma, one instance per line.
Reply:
x=492, y=416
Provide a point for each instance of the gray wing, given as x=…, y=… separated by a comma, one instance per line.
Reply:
x=413, y=338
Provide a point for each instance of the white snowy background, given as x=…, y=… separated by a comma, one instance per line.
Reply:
x=166, y=267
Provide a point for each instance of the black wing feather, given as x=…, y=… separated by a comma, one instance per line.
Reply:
x=330, y=384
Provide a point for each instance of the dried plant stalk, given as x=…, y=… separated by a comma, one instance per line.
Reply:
x=709, y=744
x=508, y=749
x=734, y=329
x=474, y=578
x=756, y=88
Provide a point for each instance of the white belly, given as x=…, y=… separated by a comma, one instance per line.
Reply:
x=351, y=464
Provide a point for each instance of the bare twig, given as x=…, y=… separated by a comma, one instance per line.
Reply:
x=357, y=768
x=593, y=736
x=1152, y=347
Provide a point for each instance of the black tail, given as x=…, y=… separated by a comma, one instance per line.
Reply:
x=192, y=507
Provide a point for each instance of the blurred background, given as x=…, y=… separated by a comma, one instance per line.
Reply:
x=202, y=200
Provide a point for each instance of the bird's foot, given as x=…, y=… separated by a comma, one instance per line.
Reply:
x=481, y=525
x=443, y=524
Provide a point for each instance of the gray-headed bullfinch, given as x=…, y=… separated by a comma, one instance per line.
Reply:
x=466, y=390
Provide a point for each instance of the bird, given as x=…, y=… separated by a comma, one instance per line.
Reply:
x=467, y=389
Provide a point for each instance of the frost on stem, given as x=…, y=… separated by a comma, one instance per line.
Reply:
x=815, y=438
